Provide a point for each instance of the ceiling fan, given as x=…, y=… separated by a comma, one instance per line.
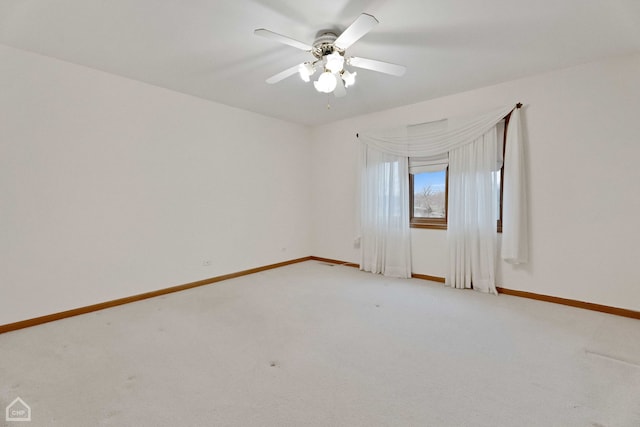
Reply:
x=329, y=51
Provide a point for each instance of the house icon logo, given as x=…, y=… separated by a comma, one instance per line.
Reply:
x=18, y=410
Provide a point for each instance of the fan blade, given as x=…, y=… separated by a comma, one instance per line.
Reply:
x=283, y=74
x=340, y=90
x=382, y=67
x=361, y=26
x=282, y=39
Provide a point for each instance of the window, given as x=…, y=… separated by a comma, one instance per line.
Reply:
x=428, y=199
x=428, y=192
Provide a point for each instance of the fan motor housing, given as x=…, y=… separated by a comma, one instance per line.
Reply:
x=323, y=44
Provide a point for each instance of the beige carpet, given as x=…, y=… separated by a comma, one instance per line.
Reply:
x=319, y=345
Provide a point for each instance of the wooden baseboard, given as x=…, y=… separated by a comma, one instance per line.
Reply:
x=108, y=304
x=548, y=298
x=531, y=295
x=573, y=303
x=120, y=301
x=334, y=261
x=427, y=277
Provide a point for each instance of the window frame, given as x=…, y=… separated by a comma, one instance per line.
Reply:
x=433, y=223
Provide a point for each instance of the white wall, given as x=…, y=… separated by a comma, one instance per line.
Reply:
x=583, y=148
x=110, y=187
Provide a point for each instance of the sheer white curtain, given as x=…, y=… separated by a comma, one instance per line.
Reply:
x=515, y=241
x=472, y=214
x=385, y=240
x=385, y=248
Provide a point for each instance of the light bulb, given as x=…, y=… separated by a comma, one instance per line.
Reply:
x=349, y=78
x=335, y=61
x=326, y=83
x=306, y=70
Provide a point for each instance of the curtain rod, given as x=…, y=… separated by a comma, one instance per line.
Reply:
x=518, y=105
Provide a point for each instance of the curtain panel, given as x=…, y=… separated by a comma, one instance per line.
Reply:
x=385, y=235
x=515, y=234
x=472, y=214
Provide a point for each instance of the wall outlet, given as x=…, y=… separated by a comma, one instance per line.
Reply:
x=356, y=242
x=206, y=263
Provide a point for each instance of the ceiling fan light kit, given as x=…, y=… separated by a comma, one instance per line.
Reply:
x=329, y=50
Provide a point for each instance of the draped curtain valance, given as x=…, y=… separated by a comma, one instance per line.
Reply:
x=434, y=138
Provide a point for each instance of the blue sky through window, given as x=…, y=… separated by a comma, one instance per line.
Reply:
x=435, y=179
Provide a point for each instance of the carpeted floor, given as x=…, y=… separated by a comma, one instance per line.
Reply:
x=318, y=345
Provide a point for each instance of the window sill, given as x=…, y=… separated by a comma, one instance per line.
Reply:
x=439, y=226
x=429, y=225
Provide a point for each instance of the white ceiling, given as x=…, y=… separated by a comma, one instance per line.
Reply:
x=207, y=48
